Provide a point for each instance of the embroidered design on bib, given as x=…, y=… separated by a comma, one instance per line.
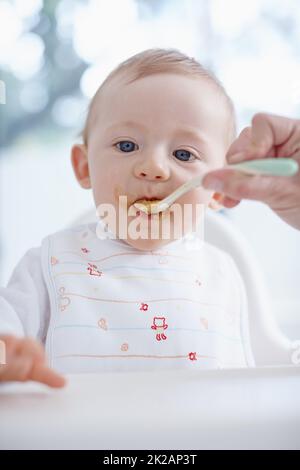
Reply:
x=64, y=300
x=93, y=270
x=159, y=326
x=144, y=307
x=102, y=323
x=193, y=356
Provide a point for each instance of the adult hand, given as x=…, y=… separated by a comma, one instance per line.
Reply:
x=268, y=136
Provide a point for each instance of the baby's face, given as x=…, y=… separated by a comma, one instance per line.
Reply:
x=149, y=137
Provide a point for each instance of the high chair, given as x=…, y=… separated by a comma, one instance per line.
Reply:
x=269, y=345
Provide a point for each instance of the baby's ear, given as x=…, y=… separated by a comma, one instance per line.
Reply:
x=79, y=158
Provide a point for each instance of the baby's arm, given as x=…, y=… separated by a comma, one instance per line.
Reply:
x=24, y=318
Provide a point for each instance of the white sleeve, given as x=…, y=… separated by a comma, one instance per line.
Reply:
x=24, y=303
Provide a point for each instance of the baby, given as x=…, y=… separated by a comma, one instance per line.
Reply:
x=121, y=295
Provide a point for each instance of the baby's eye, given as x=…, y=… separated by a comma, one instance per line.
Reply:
x=126, y=146
x=184, y=155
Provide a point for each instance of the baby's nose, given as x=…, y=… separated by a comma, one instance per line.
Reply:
x=152, y=170
x=145, y=175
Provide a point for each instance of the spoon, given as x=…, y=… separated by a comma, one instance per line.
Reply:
x=263, y=166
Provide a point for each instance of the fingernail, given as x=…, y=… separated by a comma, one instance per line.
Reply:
x=215, y=184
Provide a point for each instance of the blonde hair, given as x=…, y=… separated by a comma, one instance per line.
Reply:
x=155, y=61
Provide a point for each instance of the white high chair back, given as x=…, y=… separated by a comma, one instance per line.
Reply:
x=270, y=346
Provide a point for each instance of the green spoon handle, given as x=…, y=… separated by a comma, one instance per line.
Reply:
x=268, y=166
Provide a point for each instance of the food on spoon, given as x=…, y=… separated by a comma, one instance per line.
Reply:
x=145, y=205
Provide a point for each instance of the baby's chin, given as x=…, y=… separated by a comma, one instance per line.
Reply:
x=149, y=240
x=152, y=232
x=147, y=244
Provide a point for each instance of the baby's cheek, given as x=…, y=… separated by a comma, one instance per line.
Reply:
x=197, y=196
x=102, y=194
x=105, y=185
x=206, y=197
x=117, y=192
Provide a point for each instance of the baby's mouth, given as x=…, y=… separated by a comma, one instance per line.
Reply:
x=146, y=206
x=147, y=203
x=142, y=207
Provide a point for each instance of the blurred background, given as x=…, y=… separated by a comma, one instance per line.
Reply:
x=55, y=53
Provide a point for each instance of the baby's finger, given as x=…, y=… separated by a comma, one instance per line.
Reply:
x=44, y=374
x=41, y=372
x=33, y=349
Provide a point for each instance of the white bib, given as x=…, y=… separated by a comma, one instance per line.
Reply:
x=116, y=308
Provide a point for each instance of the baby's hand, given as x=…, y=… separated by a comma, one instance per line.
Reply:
x=26, y=360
